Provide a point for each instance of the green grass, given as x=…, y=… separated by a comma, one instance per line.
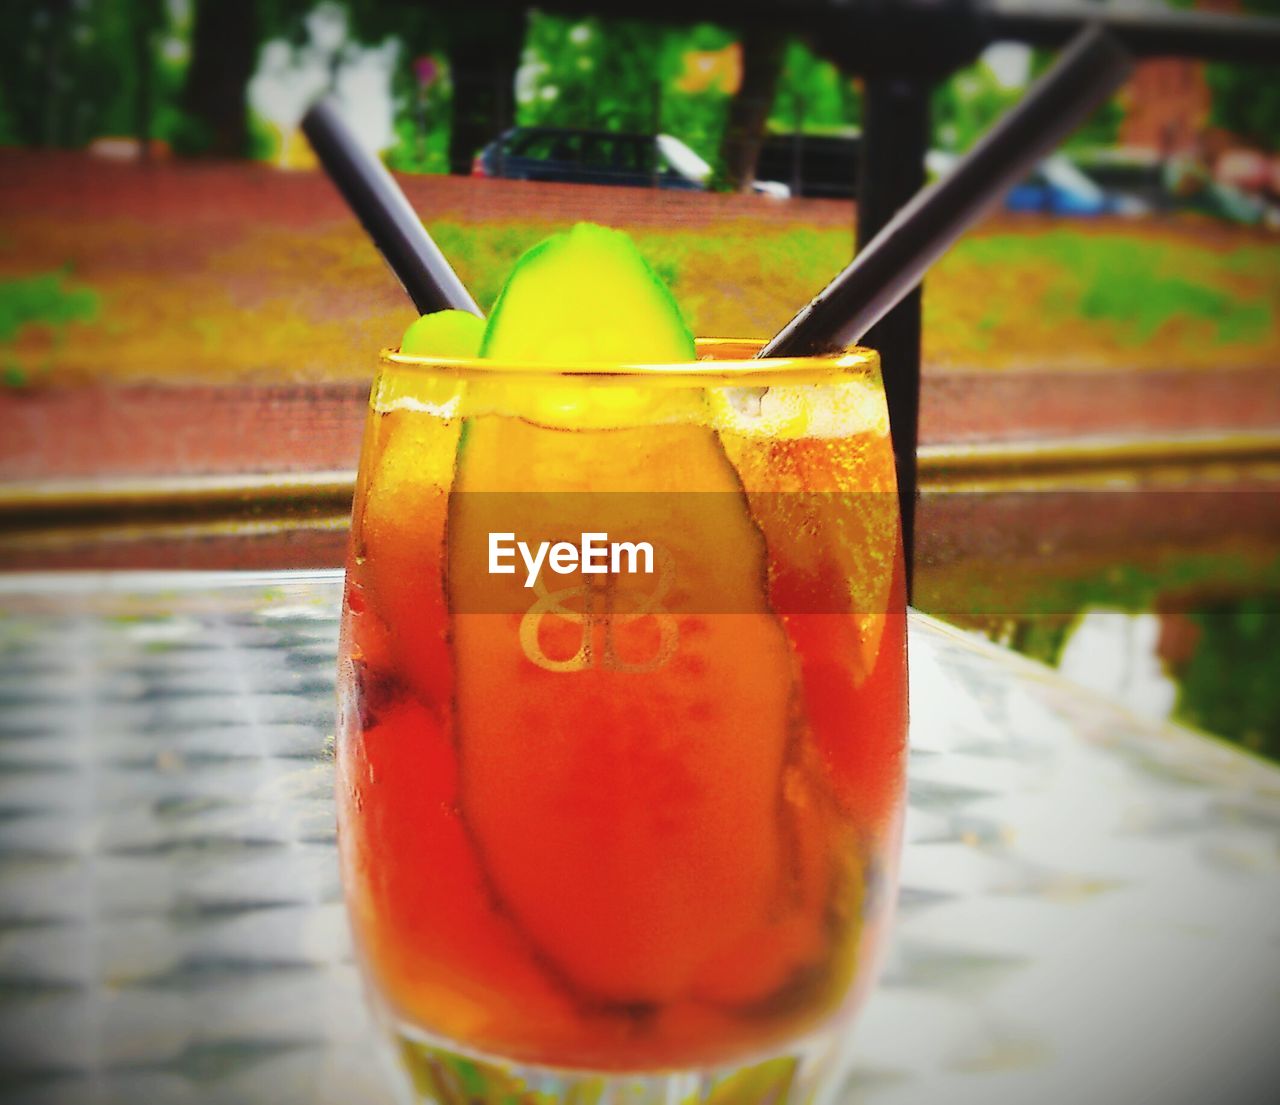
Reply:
x=1091, y=290
x=1139, y=285
x=489, y=250
x=44, y=299
x=1125, y=296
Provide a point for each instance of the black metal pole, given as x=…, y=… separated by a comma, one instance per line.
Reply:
x=895, y=139
x=1144, y=31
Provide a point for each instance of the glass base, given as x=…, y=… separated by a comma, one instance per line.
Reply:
x=809, y=1071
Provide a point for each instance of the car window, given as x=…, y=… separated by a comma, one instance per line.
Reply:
x=597, y=153
x=543, y=145
x=621, y=153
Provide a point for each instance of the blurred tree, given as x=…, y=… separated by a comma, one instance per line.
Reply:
x=461, y=109
x=421, y=84
x=762, y=56
x=147, y=20
x=700, y=68
x=40, y=41
x=224, y=48
x=592, y=73
x=1246, y=98
x=484, y=53
x=966, y=104
x=973, y=98
x=8, y=126
x=813, y=94
x=58, y=19
x=73, y=71
x=636, y=76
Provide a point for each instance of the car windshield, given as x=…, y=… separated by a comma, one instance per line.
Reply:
x=546, y=145
x=607, y=151
x=682, y=159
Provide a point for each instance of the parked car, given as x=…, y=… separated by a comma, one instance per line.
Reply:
x=599, y=157
x=828, y=165
x=1235, y=191
x=1056, y=187
x=1130, y=173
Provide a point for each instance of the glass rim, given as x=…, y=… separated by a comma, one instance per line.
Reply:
x=721, y=362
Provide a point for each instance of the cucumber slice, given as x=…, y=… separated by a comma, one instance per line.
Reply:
x=586, y=295
x=444, y=334
x=621, y=778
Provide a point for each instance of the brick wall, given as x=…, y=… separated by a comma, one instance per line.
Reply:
x=211, y=192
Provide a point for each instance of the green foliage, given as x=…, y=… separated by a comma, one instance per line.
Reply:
x=1246, y=98
x=1229, y=685
x=484, y=258
x=813, y=95
x=620, y=75
x=189, y=136
x=423, y=119
x=1246, y=101
x=697, y=118
x=423, y=116
x=1143, y=307
x=171, y=53
x=8, y=124
x=71, y=72
x=264, y=142
x=590, y=73
x=967, y=104
x=38, y=300
x=285, y=19
x=1138, y=286
x=43, y=299
x=422, y=143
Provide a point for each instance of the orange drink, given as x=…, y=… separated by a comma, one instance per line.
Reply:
x=623, y=706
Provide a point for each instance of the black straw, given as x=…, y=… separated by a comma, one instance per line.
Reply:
x=385, y=213
x=1089, y=70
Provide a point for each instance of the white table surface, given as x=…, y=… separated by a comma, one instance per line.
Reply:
x=1089, y=910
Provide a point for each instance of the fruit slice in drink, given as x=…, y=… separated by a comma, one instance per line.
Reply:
x=625, y=788
x=444, y=334
x=619, y=770
x=835, y=570
x=586, y=295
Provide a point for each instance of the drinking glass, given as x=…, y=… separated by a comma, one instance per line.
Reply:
x=622, y=722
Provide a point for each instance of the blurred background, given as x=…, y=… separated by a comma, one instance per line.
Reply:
x=189, y=315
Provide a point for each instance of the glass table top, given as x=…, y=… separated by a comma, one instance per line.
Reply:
x=1089, y=906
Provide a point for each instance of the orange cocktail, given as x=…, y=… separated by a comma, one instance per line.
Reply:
x=622, y=819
